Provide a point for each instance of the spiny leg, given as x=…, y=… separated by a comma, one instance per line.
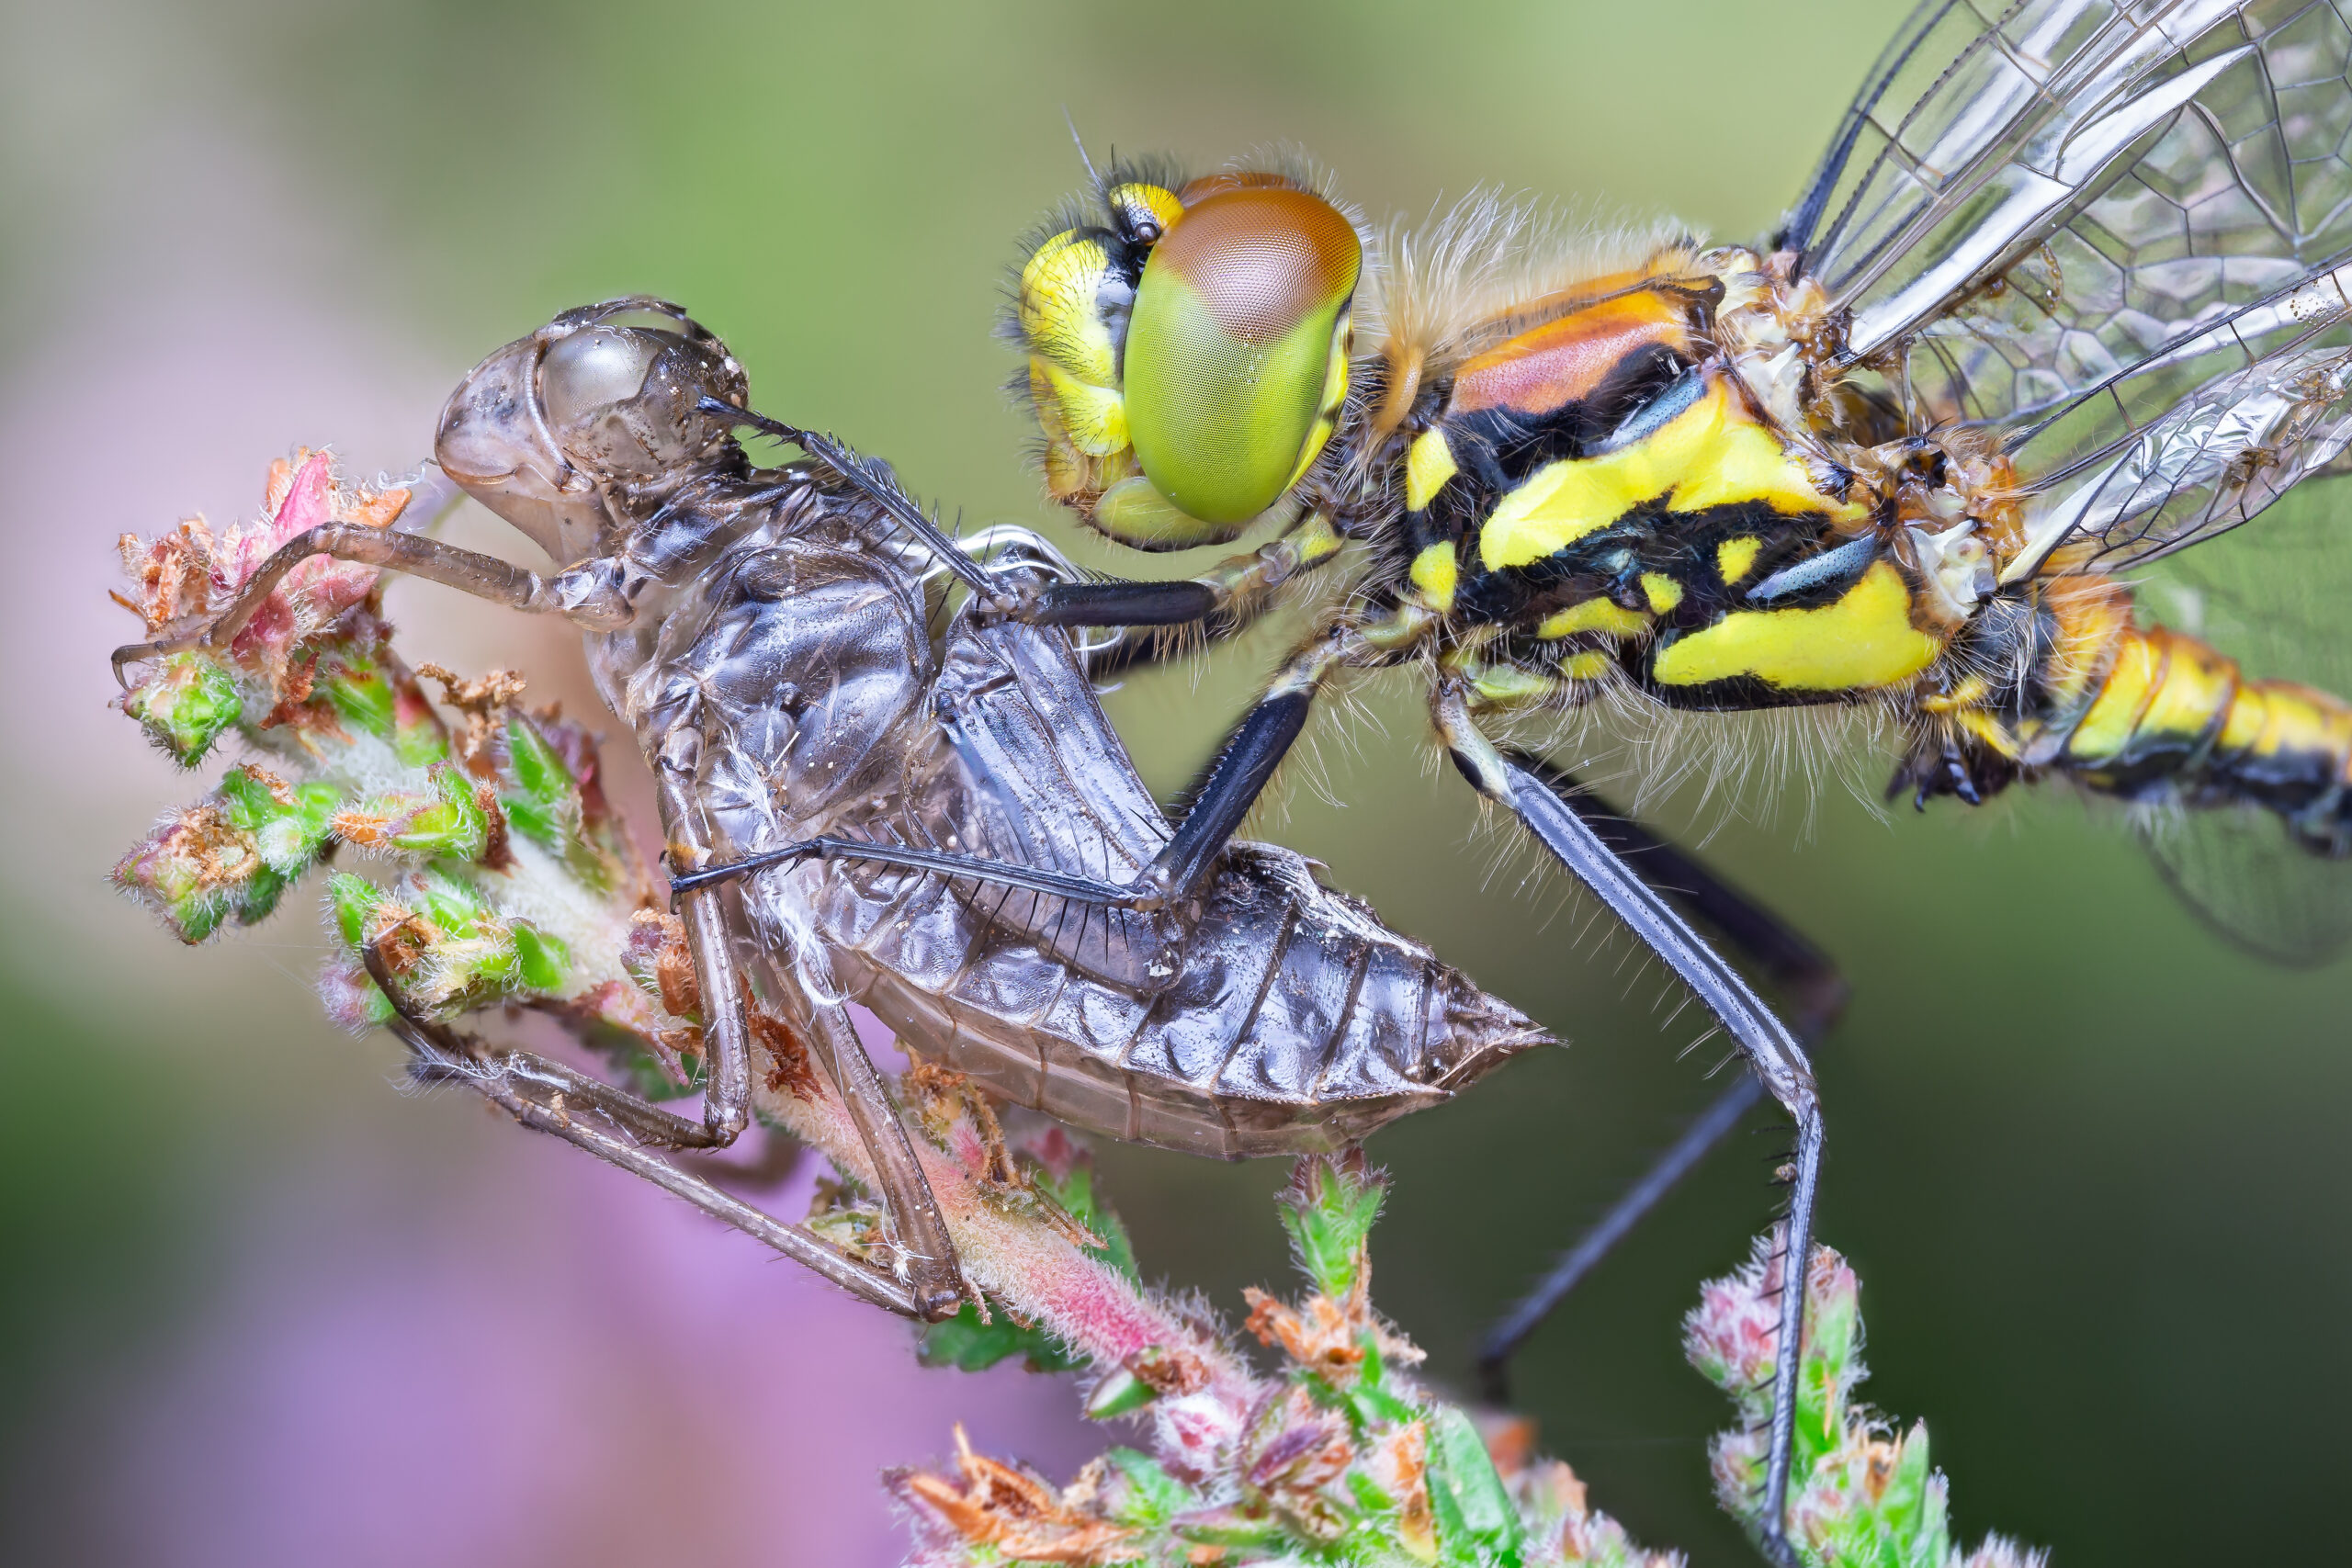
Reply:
x=1799, y=970
x=1772, y=1051
x=920, y=1230
x=583, y=593
x=440, y=1054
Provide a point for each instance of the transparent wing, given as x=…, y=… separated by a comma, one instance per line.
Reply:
x=2276, y=601
x=2244, y=878
x=2192, y=441
x=2020, y=208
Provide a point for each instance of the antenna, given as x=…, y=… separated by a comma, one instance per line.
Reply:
x=1081, y=141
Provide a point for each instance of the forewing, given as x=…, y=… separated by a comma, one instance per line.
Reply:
x=2021, y=208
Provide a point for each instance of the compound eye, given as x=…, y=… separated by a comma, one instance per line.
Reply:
x=623, y=400
x=1235, y=353
x=588, y=371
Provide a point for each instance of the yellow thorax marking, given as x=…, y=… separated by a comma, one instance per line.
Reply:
x=1507, y=686
x=1589, y=665
x=1429, y=463
x=1865, y=640
x=1435, y=574
x=1735, y=557
x=1593, y=615
x=1712, y=453
x=1663, y=592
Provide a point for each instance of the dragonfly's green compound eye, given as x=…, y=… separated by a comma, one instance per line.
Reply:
x=1236, y=351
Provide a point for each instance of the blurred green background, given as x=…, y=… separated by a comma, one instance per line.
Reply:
x=2087, y=1158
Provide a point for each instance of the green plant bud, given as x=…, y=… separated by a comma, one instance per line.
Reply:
x=355, y=686
x=1120, y=1393
x=355, y=902
x=185, y=706
x=543, y=961
x=1329, y=1211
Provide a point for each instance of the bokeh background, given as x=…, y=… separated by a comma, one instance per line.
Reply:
x=257, y=1307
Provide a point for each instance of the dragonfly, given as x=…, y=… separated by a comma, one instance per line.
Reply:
x=2069, y=294
x=860, y=806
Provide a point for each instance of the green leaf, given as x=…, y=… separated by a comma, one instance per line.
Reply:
x=1151, y=1496
x=1329, y=1211
x=969, y=1345
x=1476, y=1523
x=1119, y=1392
x=546, y=962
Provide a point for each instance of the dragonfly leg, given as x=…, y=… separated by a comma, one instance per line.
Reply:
x=935, y=1275
x=1220, y=603
x=550, y=1098
x=586, y=594
x=1188, y=614
x=1799, y=970
x=1772, y=1052
x=1245, y=764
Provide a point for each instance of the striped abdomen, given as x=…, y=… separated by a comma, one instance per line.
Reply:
x=2173, y=717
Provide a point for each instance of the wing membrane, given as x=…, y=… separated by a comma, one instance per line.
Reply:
x=2194, y=440
x=2034, y=201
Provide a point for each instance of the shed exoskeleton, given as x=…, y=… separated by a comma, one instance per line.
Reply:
x=915, y=809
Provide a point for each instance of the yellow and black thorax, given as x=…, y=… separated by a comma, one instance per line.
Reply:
x=1600, y=488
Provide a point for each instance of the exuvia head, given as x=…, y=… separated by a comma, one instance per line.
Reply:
x=603, y=401
x=1187, y=355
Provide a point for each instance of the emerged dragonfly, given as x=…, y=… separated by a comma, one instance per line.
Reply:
x=2068, y=295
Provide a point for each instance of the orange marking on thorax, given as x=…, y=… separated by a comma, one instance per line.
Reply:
x=1562, y=361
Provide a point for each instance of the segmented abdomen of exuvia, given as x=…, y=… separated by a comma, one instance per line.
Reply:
x=1294, y=1022
x=2173, y=717
x=1272, y=1015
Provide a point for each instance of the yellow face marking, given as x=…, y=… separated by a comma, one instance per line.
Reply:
x=1589, y=665
x=1094, y=419
x=1663, y=592
x=1710, y=455
x=1593, y=615
x=1434, y=575
x=1864, y=640
x=1059, y=287
x=1429, y=463
x=1138, y=203
x=1735, y=558
x=1335, y=395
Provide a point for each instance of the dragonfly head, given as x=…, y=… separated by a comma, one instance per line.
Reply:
x=599, y=405
x=1188, y=353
